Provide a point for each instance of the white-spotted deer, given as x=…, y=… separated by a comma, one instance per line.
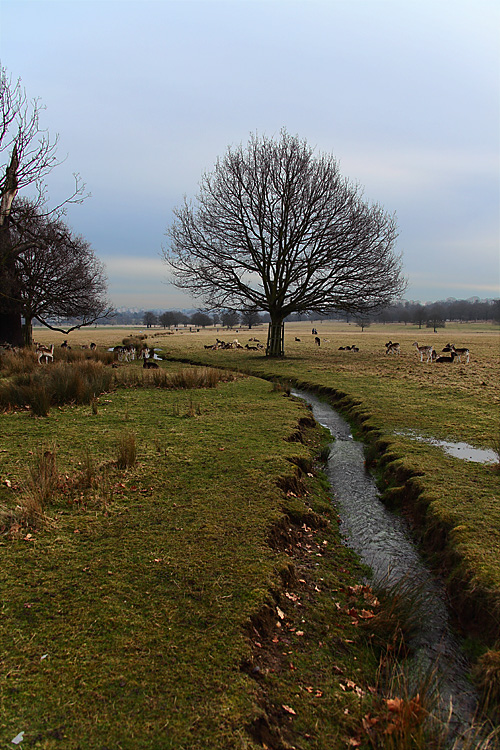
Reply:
x=427, y=350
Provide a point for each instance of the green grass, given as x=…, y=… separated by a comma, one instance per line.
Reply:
x=456, y=503
x=190, y=601
x=143, y=611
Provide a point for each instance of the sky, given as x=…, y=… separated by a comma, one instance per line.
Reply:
x=147, y=94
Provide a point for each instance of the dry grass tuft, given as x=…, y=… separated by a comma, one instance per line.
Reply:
x=77, y=383
x=127, y=451
x=487, y=677
x=41, y=485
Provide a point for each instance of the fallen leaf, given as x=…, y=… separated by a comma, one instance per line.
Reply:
x=366, y=614
x=280, y=613
x=288, y=710
x=394, y=704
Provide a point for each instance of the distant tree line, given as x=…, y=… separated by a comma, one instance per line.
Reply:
x=429, y=315
x=223, y=318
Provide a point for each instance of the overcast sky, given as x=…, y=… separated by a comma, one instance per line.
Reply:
x=145, y=95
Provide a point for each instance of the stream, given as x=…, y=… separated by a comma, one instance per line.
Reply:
x=383, y=542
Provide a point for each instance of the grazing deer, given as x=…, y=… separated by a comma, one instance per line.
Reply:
x=427, y=350
x=296, y=339
x=45, y=352
x=150, y=364
x=392, y=348
x=460, y=353
x=354, y=348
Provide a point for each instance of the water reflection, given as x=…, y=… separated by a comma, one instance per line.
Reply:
x=458, y=450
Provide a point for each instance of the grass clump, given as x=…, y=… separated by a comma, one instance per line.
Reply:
x=185, y=378
x=127, y=451
x=41, y=486
x=59, y=384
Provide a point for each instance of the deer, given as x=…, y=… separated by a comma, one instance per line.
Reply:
x=150, y=364
x=460, y=353
x=427, y=350
x=45, y=352
x=317, y=341
x=443, y=359
x=392, y=348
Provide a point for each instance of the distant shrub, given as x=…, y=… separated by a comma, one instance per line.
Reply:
x=136, y=341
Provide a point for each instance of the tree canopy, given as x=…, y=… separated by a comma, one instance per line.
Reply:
x=277, y=228
x=59, y=276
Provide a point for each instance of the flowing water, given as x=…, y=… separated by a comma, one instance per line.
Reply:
x=382, y=541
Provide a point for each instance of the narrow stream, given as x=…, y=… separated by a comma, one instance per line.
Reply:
x=383, y=542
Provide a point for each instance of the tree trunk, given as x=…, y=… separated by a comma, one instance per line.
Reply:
x=28, y=332
x=10, y=307
x=10, y=329
x=276, y=339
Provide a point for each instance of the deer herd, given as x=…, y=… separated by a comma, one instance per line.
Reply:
x=449, y=353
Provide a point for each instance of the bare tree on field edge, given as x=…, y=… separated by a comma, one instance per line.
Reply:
x=27, y=155
x=277, y=228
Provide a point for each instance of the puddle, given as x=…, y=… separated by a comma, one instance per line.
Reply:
x=383, y=541
x=457, y=450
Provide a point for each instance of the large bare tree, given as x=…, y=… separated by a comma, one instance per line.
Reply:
x=27, y=155
x=278, y=228
x=58, y=273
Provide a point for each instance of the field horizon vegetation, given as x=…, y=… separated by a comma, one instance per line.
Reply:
x=172, y=568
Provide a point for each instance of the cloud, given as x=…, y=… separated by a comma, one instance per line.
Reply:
x=141, y=281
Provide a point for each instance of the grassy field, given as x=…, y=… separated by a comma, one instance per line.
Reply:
x=185, y=600
x=457, y=503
